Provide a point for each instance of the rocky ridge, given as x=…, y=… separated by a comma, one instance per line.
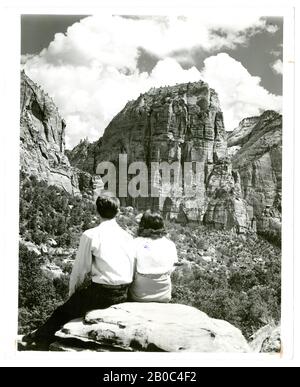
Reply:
x=84, y=155
x=42, y=138
x=258, y=163
x=42, y=142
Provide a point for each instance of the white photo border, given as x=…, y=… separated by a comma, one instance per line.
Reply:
x=10, y=84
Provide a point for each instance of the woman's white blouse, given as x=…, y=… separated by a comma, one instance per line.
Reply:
x=154, y=256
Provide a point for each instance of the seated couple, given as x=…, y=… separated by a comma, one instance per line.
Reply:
x=122, y=268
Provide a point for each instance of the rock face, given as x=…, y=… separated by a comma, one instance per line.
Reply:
x=84, y=155
x=267, y=339
x=258, y=163
x=182, y=123
x=150, y=327
x=42, y=138
x=42, y=144
x=240, y=135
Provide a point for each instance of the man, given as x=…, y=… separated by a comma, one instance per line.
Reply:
x=105, y=252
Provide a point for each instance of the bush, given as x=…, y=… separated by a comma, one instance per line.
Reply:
x=49, y=212
x=245, y=298
x=37, y=295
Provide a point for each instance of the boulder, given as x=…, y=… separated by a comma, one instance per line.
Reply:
x=51, y=242
x=31, y=246
x=273, y=342
x=44, y=248
x=266, y=339
x=52, y=271
x=150, y=327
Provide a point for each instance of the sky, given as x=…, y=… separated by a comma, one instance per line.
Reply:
x=92, y=65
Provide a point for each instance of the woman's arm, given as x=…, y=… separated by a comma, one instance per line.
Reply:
x=175, y=257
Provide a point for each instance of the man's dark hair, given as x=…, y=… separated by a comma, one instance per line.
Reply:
x=107, y=206
x=152, y=225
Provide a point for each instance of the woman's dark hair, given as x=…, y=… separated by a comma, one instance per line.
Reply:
x=107, y=206
x=152, y=225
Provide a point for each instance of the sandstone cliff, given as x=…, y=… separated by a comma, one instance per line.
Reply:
x=42, y=143
x=150, y=327
x=240, y=135
x=181, y=123
x=258, y=163
x=42, y=138
x=84, y=155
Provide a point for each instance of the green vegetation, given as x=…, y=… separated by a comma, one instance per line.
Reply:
x=228, y=276
x=38, y=295
x=242, y=282
x=273, y=236
x=48, y=212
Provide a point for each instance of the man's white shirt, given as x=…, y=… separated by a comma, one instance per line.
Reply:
x=106, y=252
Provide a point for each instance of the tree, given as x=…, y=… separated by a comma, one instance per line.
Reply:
x=36, y=292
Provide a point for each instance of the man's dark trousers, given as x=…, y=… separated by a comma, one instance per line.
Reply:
x=95, y=296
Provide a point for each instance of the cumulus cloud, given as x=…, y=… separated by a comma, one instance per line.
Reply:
x=277, y=66
x=111, y=40
x=276, y=53
x=240, y=93
x=92, y=70
x=89, y=97
x=26, y=57
x=272, y=28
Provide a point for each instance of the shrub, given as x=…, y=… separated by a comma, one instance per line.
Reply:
x=37, y=296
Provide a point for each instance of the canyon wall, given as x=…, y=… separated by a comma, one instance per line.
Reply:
x=182, y=123
x=258, y=162
x=42, y=142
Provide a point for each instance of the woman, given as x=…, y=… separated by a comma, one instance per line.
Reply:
x=155, y=257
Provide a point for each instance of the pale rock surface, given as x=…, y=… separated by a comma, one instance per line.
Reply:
x=240, y=135
x=273, y=342
x=51, y=270
x=150, y=327
x=267, y=339
x=31, y=246
x=52, y=242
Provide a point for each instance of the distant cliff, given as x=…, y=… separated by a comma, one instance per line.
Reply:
x=84, y=155
x=181, y=123
x=42, y=142
x=258, y=161
x=42, y=138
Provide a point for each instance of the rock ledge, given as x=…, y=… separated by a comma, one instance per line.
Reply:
x=150, y=327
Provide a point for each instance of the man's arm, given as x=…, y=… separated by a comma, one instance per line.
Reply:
x=82, y=264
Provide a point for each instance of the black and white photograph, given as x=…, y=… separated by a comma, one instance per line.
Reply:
x=151, y=182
